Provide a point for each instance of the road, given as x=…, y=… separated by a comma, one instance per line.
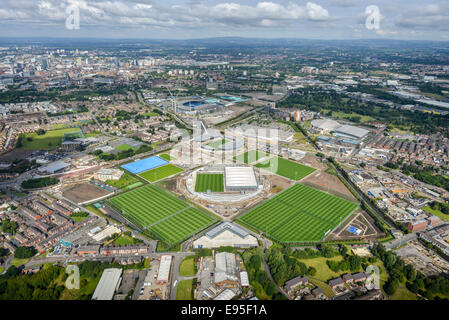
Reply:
x=175, y=276
x=399, y=242
x=355, y=189
x=7, y=264
x=278, y=288
x=364, y=197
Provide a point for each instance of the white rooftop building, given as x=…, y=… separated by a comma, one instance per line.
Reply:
x=240, y=178
x=164, y=269
x=225, y=268
x=227, y=294
x=224, y=235
x=109, y=283
x=105, y=174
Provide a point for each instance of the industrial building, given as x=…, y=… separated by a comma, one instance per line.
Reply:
x=226, y=234
x=342, y=131
x=109, y=283
x=226, y=294
x=108, y=174
x=351, y=132
x=163, y=275
x=240, y=178
x=225, y=269
x=269, y=135
x=53, y=167
x=324, y=125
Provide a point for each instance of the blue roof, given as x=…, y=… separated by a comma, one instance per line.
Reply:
x=144, y=164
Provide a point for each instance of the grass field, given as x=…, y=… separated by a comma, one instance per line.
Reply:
x=125, y=181
x=251, y=156
x=50, y=140
x=217, y=144
x=124, y=147
x=299, y=214
x=185, y=223
x=437, y=213
x=171, y=219
x=185, y=290
x=187, y=267
x=125, y=240
x=286, y=168
x=165, y=156
x=160, y=172
x=212, y=182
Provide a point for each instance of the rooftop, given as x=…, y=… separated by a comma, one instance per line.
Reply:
x=109, y=282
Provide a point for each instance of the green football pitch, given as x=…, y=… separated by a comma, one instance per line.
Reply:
x=209, y=181
x=160, y=173
x=251, y=156
x=299, y=214
x=217, y=144
x=285, y=168
x=166, y=216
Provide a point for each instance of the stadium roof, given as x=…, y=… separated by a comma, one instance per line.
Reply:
x=164, y=268
x=325, y=124
x=352, y=131
x=240, y=177
x=109, y=282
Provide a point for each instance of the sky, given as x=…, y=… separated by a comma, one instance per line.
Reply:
x=192, y=19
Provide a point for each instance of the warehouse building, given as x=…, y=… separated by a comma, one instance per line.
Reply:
x=351, y=133
x=240, y=179
x=109, y=283
x=163, y=275
x=226, y=269
x=53, y=167
x=224, y=235
x=108, y=174
x=324, y=125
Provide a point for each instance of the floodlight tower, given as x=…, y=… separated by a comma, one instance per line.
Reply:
x=174, y=99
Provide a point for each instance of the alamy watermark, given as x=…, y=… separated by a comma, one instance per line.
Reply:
x=72, y=21
x=372, y=277
x=372, y=21
x=73, y=280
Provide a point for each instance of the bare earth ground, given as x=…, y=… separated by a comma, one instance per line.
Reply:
x=325, y=181
x=84, y=192
x=15, y=154
x=360, y=220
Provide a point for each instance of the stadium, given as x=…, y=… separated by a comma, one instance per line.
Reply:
x=192, y=105
x=223, y=183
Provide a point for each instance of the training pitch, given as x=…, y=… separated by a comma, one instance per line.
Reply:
x=285, y=168
x=169, y=218
x=209, y=181
x=160, y=173
x=144, y=164
x=251, y=156
x=299, y=214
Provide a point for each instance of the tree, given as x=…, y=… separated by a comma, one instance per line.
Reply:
x=390, y=287
x=355, y=262
x=24, y=252
x=255, y=262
